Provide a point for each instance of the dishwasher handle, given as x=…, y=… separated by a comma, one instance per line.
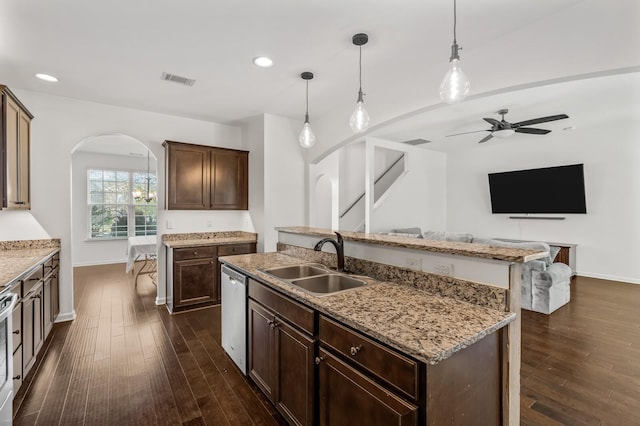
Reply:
x=235, y=277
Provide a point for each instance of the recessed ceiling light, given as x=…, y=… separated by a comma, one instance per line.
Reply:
x=47, y=77
x=262, y=62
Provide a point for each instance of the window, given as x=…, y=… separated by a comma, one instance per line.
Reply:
x=114, y=210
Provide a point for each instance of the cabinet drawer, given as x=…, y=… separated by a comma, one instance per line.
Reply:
x=390, y=366
x=32, y=280
x=297, y=314
x=194, y=252
x=230, y=249
x=17, y=326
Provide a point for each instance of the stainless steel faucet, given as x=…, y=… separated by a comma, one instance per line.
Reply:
x=339, y=246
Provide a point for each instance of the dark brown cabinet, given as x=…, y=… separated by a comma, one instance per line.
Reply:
x=194, y=277
x=348, y=397
x=281, y=357
x=356, y=380
x=201, y=177
x=34, y=314
x=15, y=145
x=195, y=274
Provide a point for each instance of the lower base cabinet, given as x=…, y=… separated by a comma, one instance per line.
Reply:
x=348, y=397
x=317, y=371
x=281, y=363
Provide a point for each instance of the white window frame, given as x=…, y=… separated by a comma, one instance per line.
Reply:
x=130, y=205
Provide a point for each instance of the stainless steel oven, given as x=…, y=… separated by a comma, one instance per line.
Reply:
x=7, y=302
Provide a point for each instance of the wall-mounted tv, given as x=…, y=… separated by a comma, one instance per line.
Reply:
x=548, y=190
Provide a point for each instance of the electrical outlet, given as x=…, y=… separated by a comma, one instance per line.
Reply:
x=169, y=224
x=209, y=224
x=444, y=269
x=414, y=263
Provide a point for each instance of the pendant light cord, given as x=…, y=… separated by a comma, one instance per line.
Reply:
x=454, y=21
x=360, y=68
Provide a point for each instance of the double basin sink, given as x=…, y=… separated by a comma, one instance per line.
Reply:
x=315, y=279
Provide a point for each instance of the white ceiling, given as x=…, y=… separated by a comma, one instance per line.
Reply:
x=114, y=52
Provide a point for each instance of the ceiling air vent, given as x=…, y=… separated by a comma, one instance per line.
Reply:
x=415, y=142
x=178, y=79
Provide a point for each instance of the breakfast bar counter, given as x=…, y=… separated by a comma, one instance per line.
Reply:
x=427, y=327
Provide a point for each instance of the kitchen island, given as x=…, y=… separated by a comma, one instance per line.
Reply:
x=385, y=353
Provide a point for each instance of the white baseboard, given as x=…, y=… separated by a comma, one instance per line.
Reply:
x=67, y=316
x=608, y=277
x=161, y=300
x=99, y=262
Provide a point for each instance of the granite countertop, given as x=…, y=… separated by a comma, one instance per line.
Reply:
x=462, y=249
x=427, y=327
x=208, y=239
x=15, y=262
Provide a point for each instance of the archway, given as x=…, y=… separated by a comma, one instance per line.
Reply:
x=113, y=197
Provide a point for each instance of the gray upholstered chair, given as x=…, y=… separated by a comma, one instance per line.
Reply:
x=545, y=285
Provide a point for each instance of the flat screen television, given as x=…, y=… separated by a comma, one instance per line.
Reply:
x=548, y=190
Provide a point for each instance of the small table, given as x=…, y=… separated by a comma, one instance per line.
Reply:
x=147, y=246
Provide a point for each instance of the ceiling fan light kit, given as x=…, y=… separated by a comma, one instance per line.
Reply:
x=359, y=121
x=503, y=129
x=455, y=84
x=307, y=138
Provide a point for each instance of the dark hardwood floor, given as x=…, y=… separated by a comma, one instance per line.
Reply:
x=126, y=361
x=581, y=364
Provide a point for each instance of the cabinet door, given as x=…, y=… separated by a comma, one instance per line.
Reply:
x=347, y=397
x=27, y=333
x=188, y=185
x=46, y=306
x=229, y=180
x=38, y=320
x=194, y=281
x=261, y=349
x=18, y=377
x=55, y=295
x=24, y=167
x=295, y=374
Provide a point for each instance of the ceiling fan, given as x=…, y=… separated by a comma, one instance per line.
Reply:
x=503, y=129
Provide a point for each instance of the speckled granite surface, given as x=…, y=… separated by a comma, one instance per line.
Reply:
x=208, y=238
x=462, y=249
x=426, y=326
x=466, y=291
x=22, y=256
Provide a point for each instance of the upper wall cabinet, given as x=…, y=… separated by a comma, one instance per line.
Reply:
x=202, y=177
x=15, y=141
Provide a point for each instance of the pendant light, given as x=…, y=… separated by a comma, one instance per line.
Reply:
x=150, y=195
x=455, y=84
x=359, y=121
x=307, y=138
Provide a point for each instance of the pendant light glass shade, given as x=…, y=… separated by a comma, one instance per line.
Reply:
x=359, y=121
x=455, y=84
x=307, y=139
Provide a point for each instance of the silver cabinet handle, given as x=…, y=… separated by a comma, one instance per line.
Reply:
x=355, y=349
x=319, y=359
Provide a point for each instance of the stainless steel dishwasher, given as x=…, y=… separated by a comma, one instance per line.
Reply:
x=234, y=316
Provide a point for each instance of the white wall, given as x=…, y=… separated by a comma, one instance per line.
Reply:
x=253, y=140
x=284, y=177
x=607, y=236
x=324, y=188
x=84, y=250
x=20, y=225
x=61, y=123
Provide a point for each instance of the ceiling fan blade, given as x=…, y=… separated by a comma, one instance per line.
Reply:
x=486, y=138
x=532, y=131
x=540, y=120
x=492, y=121
x=466, y=133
